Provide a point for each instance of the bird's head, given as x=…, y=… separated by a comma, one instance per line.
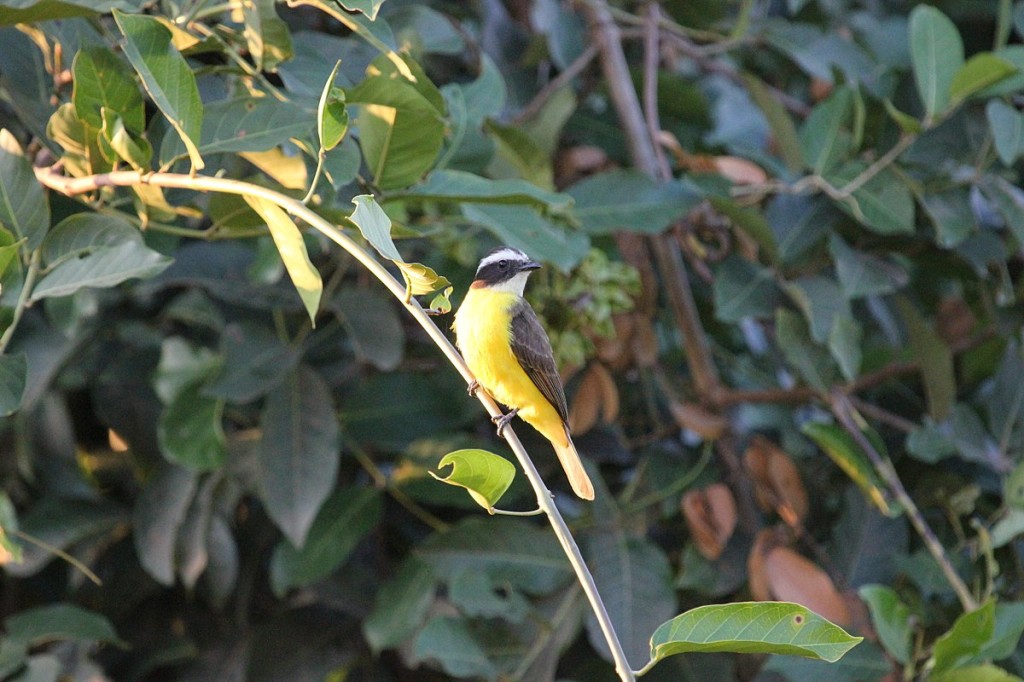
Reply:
x=504, y=269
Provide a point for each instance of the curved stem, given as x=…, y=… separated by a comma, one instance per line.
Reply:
x=26, y=292
x=545, y=501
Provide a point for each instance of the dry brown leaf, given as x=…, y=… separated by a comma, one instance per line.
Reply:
x=574, y=163
x=710, y=515
x=777, y=483
x=820, y=89
x=609, y=393
x=739, y=170
x=613, y=350
x=765, y=541
x=793, y=577
x=704, y=423
x=955, y=320
x=586, y=404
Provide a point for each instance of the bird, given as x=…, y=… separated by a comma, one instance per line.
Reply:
x=510, y=356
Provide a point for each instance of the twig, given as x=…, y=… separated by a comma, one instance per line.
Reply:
x=650, y=84
x=555, y=84
x=73, y=186
x=843, y=411
x=26, y=292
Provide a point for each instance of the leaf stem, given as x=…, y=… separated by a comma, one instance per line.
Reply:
x=59, y=553
x=545, y=501
x=26, y=292
x=507, y=512
x=843, y=411
x=320, y=158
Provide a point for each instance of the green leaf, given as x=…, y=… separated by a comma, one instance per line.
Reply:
x=965, y=639
x=937, y=54
x=13, y=373
x=269, y=40
x=884, y=203
x=862, y=274
x=367, y=7
x=81, y=234
x=523, y=228
x=844, y=342
x=166, y=76
x=190, y=430
x=1007, y=125
x=255, y=362
x=935, y=358
x=951, y=212
x=9, y=250
x=375, y=226
x=522, y=156
x=298, y=454
x=60, y=622
x=866, y=661
x=32, y=11
x=1006, y=634
x=400, y=131
x=506, y=550
x=906, y=122
x=485, y=475
x=102, y=267
x=24, y=210
x=373, y=326
x=794, y=339
x=848, y=456
x=823, y=137
x=779, y=120
x=134, y=149
x=631, y=201
x=635, y=577
x=743, y=289
x=752, y=627
x=331, y=114
x=10, y=551
x=447, y=640
x=891, y=618
x=251, y=124
x=102, y=79
x=292, y=248
x=975, y=673
x=460, y=186
x=980, y=71
x=1009, y=199
x=400, y=606
x=343, y=520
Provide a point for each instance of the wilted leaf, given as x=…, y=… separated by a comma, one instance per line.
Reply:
x=777, y=483
x=698, y=419
x=596, y=398
x=758, y=627
x=485, y=475
x=710, y=515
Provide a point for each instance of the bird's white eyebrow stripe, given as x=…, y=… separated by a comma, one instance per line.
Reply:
x=506, y=254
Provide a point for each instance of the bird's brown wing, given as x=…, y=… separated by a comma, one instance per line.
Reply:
x=532, y=348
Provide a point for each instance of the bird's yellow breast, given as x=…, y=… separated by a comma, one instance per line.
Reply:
x=483, y=331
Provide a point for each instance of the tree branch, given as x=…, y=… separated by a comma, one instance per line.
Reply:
x=545, y=500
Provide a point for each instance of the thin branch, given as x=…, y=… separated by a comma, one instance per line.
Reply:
x=23, y=297
x=555, y=84
x=74, y=186
x=652, y=57
x=843, y=411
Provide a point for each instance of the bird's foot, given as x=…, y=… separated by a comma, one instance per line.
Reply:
x=472, y=388
x=502, y=421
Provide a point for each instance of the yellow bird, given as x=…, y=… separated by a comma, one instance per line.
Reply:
x=510, y=355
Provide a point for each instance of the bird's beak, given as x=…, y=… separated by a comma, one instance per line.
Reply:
x=530, y=265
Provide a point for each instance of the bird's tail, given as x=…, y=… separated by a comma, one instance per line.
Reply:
x=570, y=460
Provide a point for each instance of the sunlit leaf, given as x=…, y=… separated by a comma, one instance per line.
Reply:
x=102, y=79
x=102, y=267
x=752, y=627
x=269, y=40
x=975, y=673
x=166, y=76
x=24, y=210
x=485, y=475
x=292, y=248
x=980, y=71
x=367, y=7
x=331, y=115
x=965, y=639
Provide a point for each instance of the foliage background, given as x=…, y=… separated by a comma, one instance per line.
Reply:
x=822, y=223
